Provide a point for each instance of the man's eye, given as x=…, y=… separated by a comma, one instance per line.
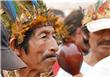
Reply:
x=43, y=35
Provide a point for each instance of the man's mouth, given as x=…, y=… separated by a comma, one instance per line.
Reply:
x=104, y=42
x=49, y=56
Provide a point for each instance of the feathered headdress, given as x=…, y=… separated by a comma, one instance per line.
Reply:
x=26, y=15
x=100, y=10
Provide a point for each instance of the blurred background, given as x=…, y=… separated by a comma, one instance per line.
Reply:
x=68, y=5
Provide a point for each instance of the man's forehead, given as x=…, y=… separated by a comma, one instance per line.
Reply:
x=44, y=29
x=103, y=31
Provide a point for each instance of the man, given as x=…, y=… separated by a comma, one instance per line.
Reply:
x=33, y=40
x=73, y=25
x=40, y=54
x=97, y=29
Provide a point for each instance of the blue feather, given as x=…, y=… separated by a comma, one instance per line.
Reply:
x=10, y=9
x=34, y=2
x=97, y=5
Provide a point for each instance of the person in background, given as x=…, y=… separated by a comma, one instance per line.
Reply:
x=73, y=24
x=9, y=60
x=59, y=13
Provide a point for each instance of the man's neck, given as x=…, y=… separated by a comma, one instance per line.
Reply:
x=28, y=72
x=92, y=58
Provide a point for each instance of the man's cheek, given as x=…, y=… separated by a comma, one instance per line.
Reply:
x=40, y=47
x=40, y=44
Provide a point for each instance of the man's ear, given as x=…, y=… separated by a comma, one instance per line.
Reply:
x=12, y=46
x=12, y=43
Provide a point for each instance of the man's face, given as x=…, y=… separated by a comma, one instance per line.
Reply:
x=100, y=41
x=42, y=47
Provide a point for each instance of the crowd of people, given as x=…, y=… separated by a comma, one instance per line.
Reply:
x=37, y=42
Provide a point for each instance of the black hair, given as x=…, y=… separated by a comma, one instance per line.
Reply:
x=25, y=44
x=74, y=21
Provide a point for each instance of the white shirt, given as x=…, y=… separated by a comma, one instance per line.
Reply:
x=85, y=67
x=101, y=69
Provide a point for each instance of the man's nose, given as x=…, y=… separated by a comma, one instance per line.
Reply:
x=106, y=34
x=53, y=45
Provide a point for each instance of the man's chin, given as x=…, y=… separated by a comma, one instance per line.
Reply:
x=47, y=69
x=48, y=63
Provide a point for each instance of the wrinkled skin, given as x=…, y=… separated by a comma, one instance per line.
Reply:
x=100, y=42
